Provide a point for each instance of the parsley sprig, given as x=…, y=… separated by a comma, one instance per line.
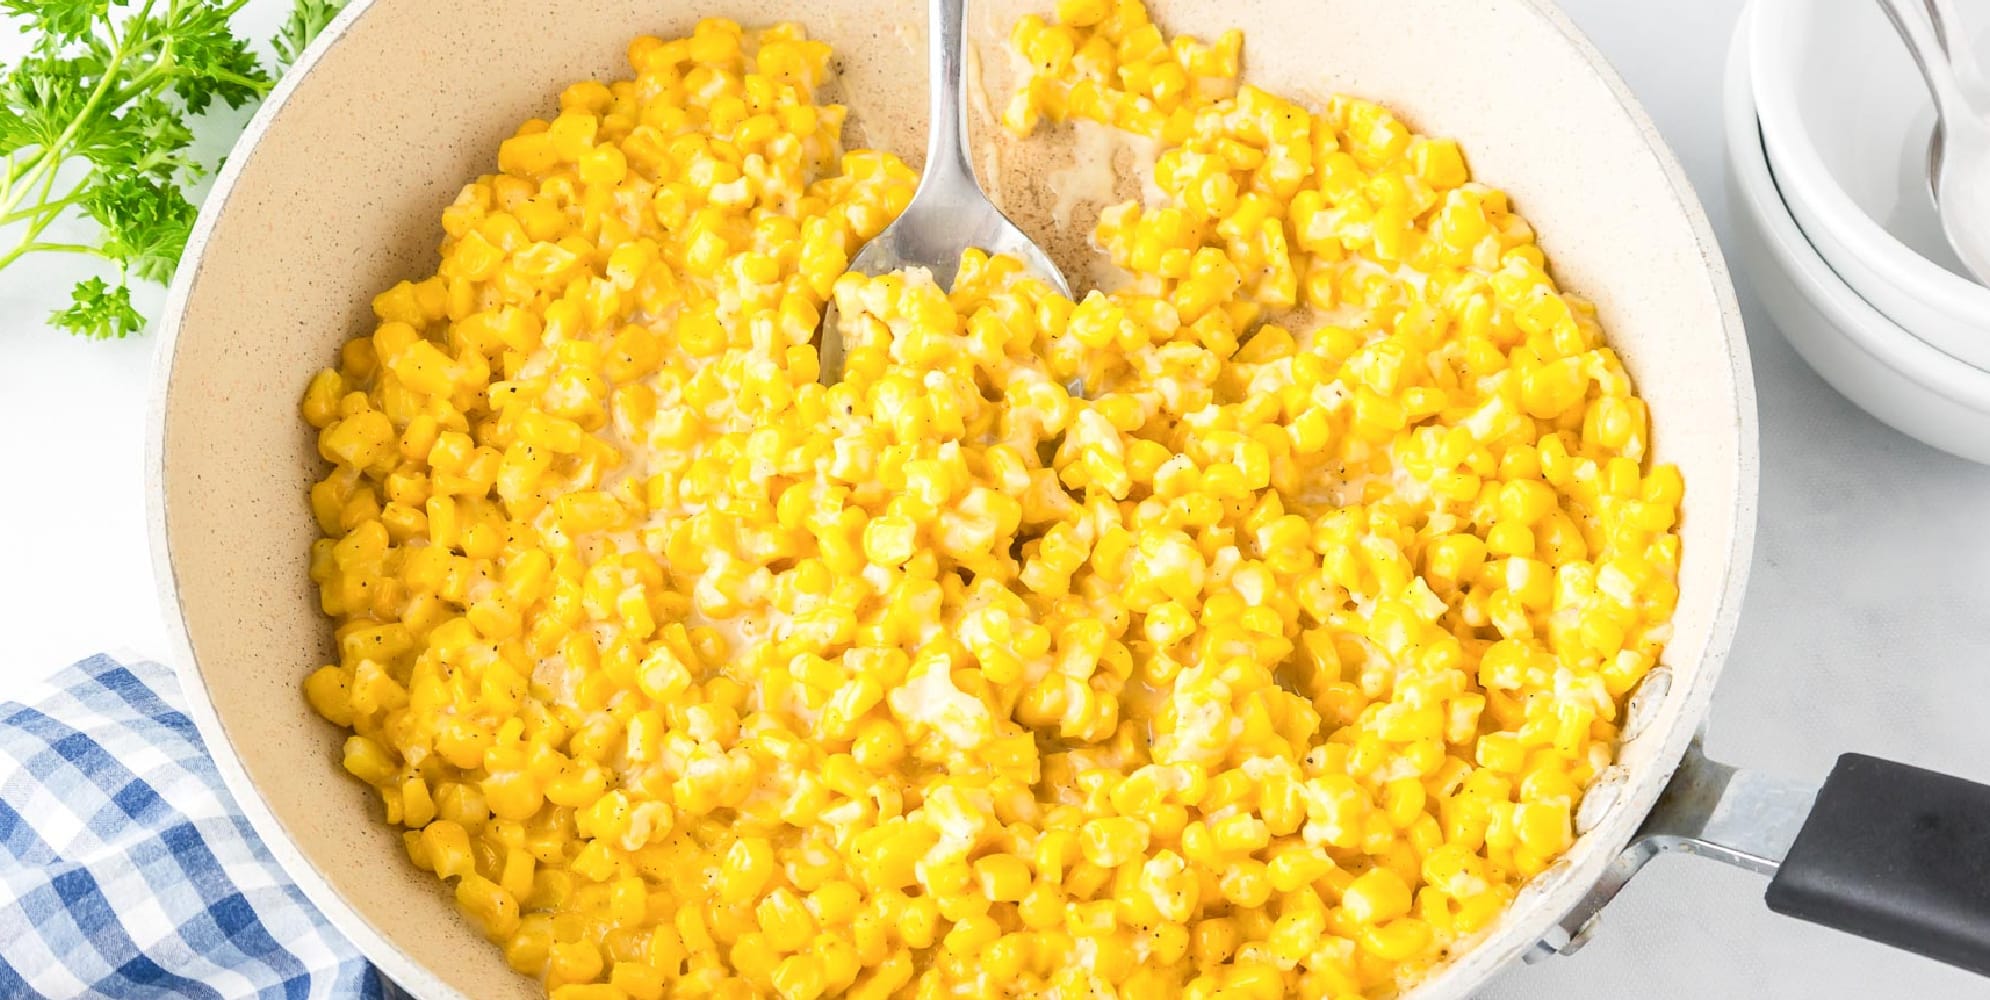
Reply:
x=95, y=124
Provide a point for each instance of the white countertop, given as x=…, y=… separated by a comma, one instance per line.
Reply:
x=1867, y=624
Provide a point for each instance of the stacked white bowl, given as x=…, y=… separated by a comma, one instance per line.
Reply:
x=1827, y=126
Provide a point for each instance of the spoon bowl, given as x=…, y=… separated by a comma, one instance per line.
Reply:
x=1961, y=182
x=1959, y=151
x=949, y=213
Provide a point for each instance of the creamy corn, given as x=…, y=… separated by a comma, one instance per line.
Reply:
x=1272, y=670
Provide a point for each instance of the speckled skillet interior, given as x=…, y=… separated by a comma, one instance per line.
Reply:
x=335, y=194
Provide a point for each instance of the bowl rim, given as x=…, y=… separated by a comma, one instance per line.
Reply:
x=1772, y=78
x=1859, y=321
x=1556, y=891
x=406, y=971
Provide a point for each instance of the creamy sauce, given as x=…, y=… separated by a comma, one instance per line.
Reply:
x=551, y=672
x=741, y=631
x=1088, y=178
x=930, y=699
x=1100, y=157
x=1100, y=164
x=539, y=363
x=635, y=458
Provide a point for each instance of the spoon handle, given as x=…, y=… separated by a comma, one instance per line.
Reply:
x=1913, y=20
x=1958, y=44
x=946, y=78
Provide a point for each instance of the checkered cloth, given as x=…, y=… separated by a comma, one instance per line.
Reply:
x=127, y=872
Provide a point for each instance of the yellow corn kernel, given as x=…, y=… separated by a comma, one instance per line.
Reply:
x=799, y=977
x=329, y=691
x=1002, y=877
x=1376, y=897
x=785, y=920
x=749, y=864
x=573, y=962
x=638, y=981
x=367, y=761
x=890, y=540
x=1112, y=842
x=1240, y=833
x=489, y=904
x=1439, y=163
x=446, y=846
x=1397, y=941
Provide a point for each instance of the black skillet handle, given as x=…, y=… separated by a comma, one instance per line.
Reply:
x=1896, y=854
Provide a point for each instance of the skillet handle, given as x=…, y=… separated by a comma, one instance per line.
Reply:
x=1897, y=854
x=1886, y=851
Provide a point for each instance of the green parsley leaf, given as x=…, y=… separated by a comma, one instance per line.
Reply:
x=149, y=138
x=42, y=97
x=96, y=124
x=307, y=20
x=58, y=20
x=209, y=63
x=99, y=311
x=145, y=222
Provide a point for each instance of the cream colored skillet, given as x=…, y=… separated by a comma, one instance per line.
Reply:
x=334, y=194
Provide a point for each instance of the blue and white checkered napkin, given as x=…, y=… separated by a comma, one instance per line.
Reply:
x=127, y=872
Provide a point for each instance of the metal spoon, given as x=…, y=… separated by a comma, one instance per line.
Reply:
x=1959, y=156
x=949, y=212
x=1968, y=73
x=1975, y=86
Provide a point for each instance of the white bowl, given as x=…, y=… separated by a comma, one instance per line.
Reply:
x=1845, y=119
x=1887, y=371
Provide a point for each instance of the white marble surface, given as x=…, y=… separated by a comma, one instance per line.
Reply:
x=1867, y=624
